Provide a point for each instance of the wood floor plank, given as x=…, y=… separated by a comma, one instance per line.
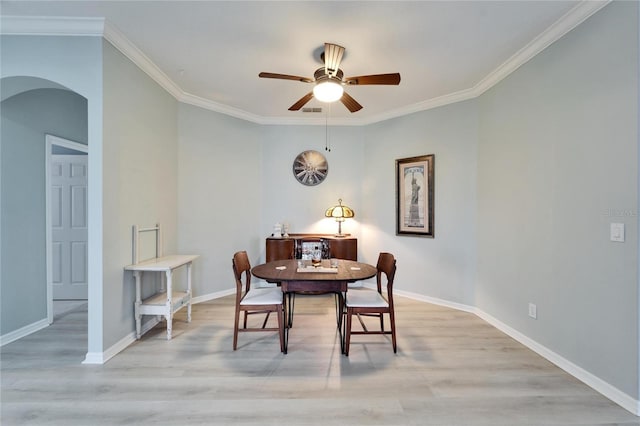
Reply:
x=451, y=368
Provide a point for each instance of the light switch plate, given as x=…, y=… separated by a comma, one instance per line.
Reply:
x=533, y=311
x=617, y=232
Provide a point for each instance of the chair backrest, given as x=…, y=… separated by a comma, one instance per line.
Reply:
x=387, y=266
x=241, y=266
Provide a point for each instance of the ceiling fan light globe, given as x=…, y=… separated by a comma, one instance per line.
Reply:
x=328, y=91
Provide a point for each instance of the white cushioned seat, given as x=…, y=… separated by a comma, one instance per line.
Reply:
x=365, y=299
x=262, y=296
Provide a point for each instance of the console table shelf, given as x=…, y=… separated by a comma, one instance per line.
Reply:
x=167, y=300
x=165, y=303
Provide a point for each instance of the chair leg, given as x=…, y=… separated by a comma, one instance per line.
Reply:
x=235, y=329
x=382, y=322
x=347, y=332
x=392, y=320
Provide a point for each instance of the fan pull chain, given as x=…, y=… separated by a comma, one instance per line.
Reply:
x=326, y=129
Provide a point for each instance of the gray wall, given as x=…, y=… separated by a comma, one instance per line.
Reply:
x=236, y=182
x=557, y=157
x=26, y=118
x=219, y=186
x=442, y=267
x=284, y=199
x=140, y=175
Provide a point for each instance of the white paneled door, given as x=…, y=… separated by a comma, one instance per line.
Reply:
x=69, y=226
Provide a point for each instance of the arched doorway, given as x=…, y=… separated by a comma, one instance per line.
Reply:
x=31, y=109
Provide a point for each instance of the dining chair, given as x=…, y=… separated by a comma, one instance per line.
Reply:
x=373, y=303
x=255, y=301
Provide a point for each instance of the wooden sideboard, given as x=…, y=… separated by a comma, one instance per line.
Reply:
x=294, y=246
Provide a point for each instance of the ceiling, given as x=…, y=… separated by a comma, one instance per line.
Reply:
x=209, y=53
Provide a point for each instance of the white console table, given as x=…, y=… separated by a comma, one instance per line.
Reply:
x=167, y=302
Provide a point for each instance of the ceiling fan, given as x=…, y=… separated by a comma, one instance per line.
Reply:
x=329, y=80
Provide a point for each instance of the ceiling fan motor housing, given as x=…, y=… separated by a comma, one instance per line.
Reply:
x=320, y=76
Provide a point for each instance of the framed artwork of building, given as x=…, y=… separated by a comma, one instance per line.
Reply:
x=415, y=196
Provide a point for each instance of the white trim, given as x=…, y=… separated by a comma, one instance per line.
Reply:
x=190, y=99
x=122, y=344
x=93, y=358
x=212, y=296
x=51, y=140
x=131, y=51
x=24, y=331
x=66, y=143
x=577, y=15
x=606, y=389
x=436, y=301
x=614, y=394
x=51, y=26
x=38, y=25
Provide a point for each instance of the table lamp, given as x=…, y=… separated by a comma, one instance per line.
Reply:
x=339, y=213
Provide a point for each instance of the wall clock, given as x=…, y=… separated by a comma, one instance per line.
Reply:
x=310, y=168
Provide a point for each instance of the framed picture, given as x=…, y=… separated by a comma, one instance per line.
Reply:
x=414, y=196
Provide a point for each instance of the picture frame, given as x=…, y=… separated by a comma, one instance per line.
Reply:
x=415, y=196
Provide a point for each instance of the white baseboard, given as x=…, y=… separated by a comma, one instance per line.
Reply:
x=24, y=331
x=609, y=391
x=436, y=301
x=122, y=344
x=614, y=394
x=212, y=296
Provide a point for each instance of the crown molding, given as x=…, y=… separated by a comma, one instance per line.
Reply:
x=448, y=99
x=131, y=51
x=316, y=120
x=194, y=100
x=48, y=26
x=70, y=26
x=577, y=15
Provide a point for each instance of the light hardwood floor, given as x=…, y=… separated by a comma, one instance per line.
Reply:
x=451, y=368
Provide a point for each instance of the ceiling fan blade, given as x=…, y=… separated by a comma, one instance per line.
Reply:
x=285, y=77
x=303, y=100
x=332, y=58
x=393, y=78
x=351, y=104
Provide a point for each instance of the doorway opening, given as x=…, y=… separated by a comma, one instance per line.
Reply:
x=66, y=172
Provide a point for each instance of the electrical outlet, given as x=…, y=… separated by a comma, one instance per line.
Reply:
x=533, y=311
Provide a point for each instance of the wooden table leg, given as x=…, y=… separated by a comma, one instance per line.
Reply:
x=339, y=315
x=169, y=314
x=136, y=310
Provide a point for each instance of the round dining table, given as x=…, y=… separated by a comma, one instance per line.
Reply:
x=331, y=276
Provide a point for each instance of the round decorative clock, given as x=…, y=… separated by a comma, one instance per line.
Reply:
x=310, y=168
